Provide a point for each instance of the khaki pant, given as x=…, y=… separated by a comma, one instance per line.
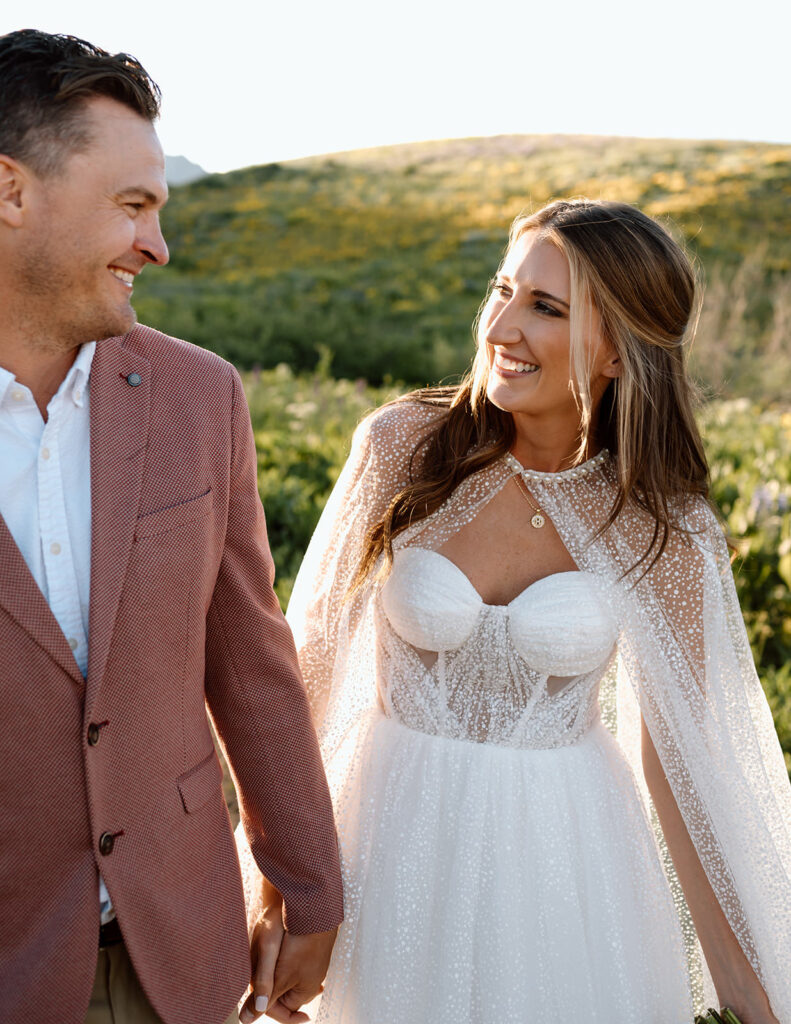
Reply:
x=118, y=997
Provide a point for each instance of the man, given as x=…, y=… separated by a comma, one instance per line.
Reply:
x=135, y=589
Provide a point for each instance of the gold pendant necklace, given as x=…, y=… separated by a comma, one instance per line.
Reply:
x=538, y=519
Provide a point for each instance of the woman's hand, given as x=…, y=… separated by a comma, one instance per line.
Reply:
x=750, y=1004
x=299, y=975
x=287, y=970
x=266, y=938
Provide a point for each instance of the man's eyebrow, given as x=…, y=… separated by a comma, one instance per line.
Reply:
x=138, y=190
x=546, y=295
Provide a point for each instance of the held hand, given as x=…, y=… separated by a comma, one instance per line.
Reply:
x=299, y=974
x=265, y=941
x=287, y=970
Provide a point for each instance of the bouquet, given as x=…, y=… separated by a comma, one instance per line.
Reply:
x=725, y=1016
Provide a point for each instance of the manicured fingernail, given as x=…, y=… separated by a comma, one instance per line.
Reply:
x=261, y=1003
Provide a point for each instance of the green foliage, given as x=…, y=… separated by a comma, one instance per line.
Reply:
x=383, y=256
x=303, y=427
x=777, y=687
x=750, y=455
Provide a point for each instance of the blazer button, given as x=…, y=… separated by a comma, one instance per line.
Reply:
x=106, y=843
x=93, y=734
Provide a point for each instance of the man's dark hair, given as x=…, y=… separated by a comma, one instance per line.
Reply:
x=45, y=81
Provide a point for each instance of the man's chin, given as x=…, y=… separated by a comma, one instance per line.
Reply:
x=115, y=327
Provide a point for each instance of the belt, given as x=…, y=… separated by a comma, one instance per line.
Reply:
x=110, y=934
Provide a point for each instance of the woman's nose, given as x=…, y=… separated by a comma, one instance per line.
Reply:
x=503, y=329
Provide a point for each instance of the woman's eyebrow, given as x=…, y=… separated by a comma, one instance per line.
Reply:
x=546, y=295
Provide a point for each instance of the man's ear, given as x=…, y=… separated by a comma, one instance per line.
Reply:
x=13, y=182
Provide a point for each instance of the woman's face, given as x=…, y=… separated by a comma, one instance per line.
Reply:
x=525, y=327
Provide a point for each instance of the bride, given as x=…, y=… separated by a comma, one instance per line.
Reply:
x=492, y=556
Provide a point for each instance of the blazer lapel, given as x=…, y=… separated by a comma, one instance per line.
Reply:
x=120, y=406
x=22, y=599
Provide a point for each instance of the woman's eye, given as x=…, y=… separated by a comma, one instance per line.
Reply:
x=542, y=307
x=499, y=287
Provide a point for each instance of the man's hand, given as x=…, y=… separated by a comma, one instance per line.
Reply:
x=265, y=941
x=288, y=970
x=299, y=974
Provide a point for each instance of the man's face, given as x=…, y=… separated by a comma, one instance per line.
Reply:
x=92, y=227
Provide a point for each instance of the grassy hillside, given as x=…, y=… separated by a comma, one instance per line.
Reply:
x=378, y=259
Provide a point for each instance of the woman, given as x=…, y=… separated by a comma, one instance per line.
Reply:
x=490, y=556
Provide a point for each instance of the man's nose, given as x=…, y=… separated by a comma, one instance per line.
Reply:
x=152, y=245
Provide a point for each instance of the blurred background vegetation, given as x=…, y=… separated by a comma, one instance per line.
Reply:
x=379, y=259
x=336, y=283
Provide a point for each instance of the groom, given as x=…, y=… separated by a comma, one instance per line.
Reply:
x=135, y=591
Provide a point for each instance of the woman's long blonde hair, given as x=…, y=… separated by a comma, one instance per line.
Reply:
x=643, y=287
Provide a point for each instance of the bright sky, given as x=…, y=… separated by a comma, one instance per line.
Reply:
x=252, y=81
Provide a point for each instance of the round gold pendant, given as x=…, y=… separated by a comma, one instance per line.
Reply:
x=537, y=521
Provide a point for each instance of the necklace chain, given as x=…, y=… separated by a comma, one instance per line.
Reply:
x=538, y=519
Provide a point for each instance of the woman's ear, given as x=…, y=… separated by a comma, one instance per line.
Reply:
x=613, y=367
x=12, y=185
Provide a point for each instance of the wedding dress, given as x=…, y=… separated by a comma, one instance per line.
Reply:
x=497, y=845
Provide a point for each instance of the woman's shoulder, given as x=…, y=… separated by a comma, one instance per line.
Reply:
x=398, y=426
x=696, y=538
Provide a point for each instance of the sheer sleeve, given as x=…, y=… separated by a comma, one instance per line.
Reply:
x=686, y=654
x=325, y=619
x=332, y=632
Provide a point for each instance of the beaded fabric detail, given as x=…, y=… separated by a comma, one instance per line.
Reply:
x=683, y=661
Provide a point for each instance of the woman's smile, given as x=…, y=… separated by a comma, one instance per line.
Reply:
x=508, y=366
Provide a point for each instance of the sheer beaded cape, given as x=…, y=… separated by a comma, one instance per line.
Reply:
x=684, y=661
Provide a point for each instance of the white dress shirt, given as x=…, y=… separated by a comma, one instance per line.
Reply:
x=45, y=499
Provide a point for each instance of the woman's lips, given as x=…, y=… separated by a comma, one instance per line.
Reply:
x=509, y=367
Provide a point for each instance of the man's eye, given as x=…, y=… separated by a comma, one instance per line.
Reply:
x=134, y=206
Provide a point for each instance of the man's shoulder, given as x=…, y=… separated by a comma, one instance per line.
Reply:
x=173, y=356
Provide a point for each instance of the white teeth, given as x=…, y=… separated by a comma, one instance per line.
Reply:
x=123, y=275
x=514, y=366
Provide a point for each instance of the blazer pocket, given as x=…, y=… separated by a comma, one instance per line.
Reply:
x=198, y=784
x=166, y=519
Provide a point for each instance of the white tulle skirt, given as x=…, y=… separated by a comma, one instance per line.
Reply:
x=492, y=885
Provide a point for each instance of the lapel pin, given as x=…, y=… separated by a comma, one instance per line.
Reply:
x=134, y=379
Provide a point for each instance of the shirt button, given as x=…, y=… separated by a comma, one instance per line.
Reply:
x=93, y=734
x=45, y=453
x=18, y=395
x=74, y=644
x=55, y=548
x=77, y=395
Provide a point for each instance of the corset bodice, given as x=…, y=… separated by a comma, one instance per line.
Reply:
x=524, y=674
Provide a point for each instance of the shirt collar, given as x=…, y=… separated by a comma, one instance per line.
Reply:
x=6, y=380
x=75, y=382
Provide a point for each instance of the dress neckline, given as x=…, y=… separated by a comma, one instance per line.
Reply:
x=473, y=589
x=583, y=469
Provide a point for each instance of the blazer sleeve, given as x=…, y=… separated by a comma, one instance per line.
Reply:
x=258, y=703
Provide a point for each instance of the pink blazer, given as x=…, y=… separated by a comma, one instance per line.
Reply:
x=118, y=772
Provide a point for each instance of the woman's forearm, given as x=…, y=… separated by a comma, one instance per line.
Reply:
x=735, y=980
